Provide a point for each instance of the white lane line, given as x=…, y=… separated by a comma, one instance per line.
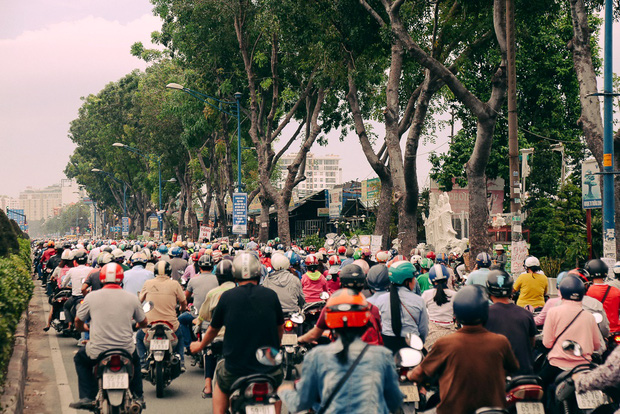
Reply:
x=64, y=390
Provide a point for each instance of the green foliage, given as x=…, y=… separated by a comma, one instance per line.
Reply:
x=71, y=216
x=313, y=240
x=16, y=288
x=8, y=237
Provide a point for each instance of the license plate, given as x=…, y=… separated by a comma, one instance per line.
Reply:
x=115, y=381
x=62, y=316
x=410, y=392
x=530, y=408
x=289, y=339
x=160, y=344
x=260, y=409
x=590, y=400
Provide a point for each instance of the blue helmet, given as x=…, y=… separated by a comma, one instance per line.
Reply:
x=561, y=276
x=175, y=252
x=292, y=257
x=438, y=273
x=163, y=249
x=483, y=259
x=441, y=258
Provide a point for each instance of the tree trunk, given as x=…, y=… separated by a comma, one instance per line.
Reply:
x=384, y=213
x=263, y=230
x=284, y=226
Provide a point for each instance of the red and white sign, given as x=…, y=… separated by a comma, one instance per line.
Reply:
x=459, y=197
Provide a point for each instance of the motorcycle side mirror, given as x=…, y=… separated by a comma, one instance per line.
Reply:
x=297, y=318
x=147, y=306
x=408, y=358
x=324, y=296
x=572, y=347
x=598, y=317
x=269, y=356
x=414, y=341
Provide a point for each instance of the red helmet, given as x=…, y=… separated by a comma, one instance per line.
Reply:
x=582, y=274
x=397, y=258
x=346, y=309
x=311, y=260
x=334, y=260
x=342, y=250
x=111, y=273
x=431, y=255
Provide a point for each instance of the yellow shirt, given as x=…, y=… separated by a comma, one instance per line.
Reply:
x=533, y=288
x=165, y=294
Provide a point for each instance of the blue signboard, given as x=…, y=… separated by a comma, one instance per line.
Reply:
x=125, y=226
x=17, y=215
x=240, y=213
x=115, y=229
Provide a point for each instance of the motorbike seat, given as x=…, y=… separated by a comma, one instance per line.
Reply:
x=243, y=382
x=113, y=351
x=523, y=380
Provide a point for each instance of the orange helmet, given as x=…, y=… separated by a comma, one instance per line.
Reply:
x=347, y=309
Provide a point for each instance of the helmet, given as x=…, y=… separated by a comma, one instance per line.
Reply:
x=431, y=255
x=216, y=254
x=342, y=250
x=382, y=256
x=104, y=258
x=246, y=266
x=176, y=251
x=471, y=305
x=499, y=283
x=162, y=268
x=616, y=270
x=366, y=252
x=80, y=256
x=320, y=256
x=597, y=269
x=532, y=262
x=397, y=258
x=353, y=277
x=111, y=273
x=442, y=258
x=363, y=264
x=280, y=246
x=438, y=273
x=416, y=258
x=334, y=260
x=349, y=252
x=583, y=274
x=561, y=276
x=224, y=271
x=268, y=250
x=147, y=254
x=138, y=258
x=163, y=249
x=483, y=259
x=346, y=309
x=280, y=262
x=401, y=271
x=224, y=248
x=135, y=248
x=426, y=263
x=190, y=245
x=416, y=252
x=118, y=254
x=292, y=257
x=205, y=261
x=357, y=254
x=378, y=277
x=311, y=260
x=66, y=255
x=572, y=288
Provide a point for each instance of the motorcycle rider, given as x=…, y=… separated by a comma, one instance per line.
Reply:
x=372, y=386
x=532, y=285
x=608, y=295
x=92, y=281
x=438, y=302
x=75, y=277
x=313, y=282
x=378, y=282
x=402, y=311
x=253, y=318
x=471, y=363
x=165, y=294
x=110, y=312
x=479, y=275
x=423, y=279
x=137, y=275
x=177, y=263
x=285, y=284
x=512, y=321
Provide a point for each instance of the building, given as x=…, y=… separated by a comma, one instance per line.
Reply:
x=322, y=172
x=39, y=204
x=9, y=202
x=70, y=192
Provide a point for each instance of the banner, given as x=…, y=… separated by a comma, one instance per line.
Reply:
x=518, y=253
x=375, y=243
x=240, y=213
x=205, y=233
x=335, y=202
x=590, y=185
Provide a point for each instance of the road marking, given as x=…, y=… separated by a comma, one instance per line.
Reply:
x=64, y=390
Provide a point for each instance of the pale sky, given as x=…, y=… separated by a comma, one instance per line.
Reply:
x=56, y=51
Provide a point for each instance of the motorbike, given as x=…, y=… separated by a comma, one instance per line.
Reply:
x=406, y=359
x=571, y=401
x=256, y=393
x=114, y=371
x=524, y=394
x=164, y=364
x=292, y=351
x=311, y=312
x=59, y=319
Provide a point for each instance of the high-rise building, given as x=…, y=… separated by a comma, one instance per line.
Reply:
x=8, y=202
x=321, y=172
x=39, y=204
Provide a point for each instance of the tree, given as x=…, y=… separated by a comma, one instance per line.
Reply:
x=8, y=238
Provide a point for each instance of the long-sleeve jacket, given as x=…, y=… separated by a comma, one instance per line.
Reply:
x=606, y=375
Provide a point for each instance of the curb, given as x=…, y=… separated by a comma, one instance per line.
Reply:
x=12, y=398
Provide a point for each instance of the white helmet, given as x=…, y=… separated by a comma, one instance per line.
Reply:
x=246, y=266
x=532, y=261
x=66, y=255
x=280, y=262
x=415, y=259
x=616, y=270
x=118, y=253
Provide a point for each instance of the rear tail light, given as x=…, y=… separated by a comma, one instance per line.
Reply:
x=258, y=390
x=115, y=364
x=528, y=392
x=616, y=339
x=289, y=325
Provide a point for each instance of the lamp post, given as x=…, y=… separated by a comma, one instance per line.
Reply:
x=97, y=170
x=147, y=156
x=236, y=113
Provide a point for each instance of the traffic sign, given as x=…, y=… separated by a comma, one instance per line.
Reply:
x=125, y=226
x=240, y=213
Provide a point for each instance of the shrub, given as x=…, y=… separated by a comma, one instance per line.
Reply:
x=16, y=288
x=8, y=238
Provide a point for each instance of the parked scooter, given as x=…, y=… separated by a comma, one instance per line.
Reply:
x=114, y=371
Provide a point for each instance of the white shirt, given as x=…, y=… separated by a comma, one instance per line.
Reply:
x=443, y=313
x=75, y=277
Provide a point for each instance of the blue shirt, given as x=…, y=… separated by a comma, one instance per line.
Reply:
x=478, y=277
x=416, y=307
x=373, y=299
x=371, y=388
x=134, y=279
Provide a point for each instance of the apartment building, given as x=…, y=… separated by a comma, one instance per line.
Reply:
x=321, y=172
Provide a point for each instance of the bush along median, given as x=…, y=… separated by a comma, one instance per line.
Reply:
x=16, y=285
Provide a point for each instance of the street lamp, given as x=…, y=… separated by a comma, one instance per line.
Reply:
x=236, y=113
x=147, y=156
x=97, y=170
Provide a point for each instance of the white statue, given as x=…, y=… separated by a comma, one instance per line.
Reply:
x=439, y=231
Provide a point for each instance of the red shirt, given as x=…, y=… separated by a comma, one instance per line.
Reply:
x=372, y=335
x=611, y=303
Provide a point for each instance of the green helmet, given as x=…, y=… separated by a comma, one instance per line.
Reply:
x=399, y=272
x=426, y=263
x=357, y=255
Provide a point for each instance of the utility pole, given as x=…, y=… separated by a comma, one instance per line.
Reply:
x=513, y=143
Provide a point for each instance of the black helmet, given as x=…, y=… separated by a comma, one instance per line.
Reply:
x=352, y=276
x=597, y=269
x=223, y=271
x=471, y=305
x=378, y=278
x=572, y=288
x=162, y=268
x=205, y=261
x=499, y=283
x=80, y=256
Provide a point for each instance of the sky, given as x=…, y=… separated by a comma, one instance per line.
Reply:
x=56, y=51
